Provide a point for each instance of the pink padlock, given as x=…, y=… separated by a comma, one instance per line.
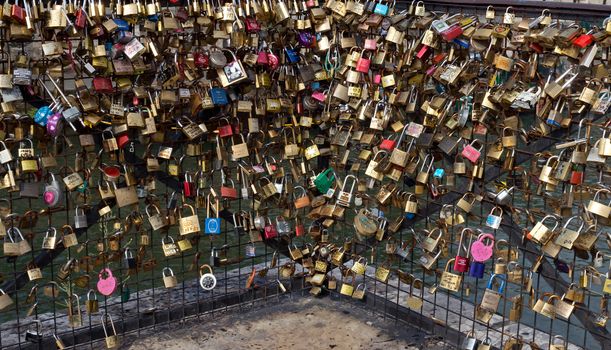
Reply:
x=371, y=44
x=108, y=284
x=273, y=61
x=377, y=78
x=423, y=52
x=479, y=250
x=363, y=63
x=472, y=153
x=319, y=96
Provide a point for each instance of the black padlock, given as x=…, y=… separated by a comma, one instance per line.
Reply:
x=129, y=152
x=129, y=260
x=34, y=335
x=214, y=258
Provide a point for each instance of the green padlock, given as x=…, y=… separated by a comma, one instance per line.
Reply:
x=323, y=181
x=125, y=293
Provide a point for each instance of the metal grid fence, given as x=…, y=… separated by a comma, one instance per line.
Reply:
x=142, y=302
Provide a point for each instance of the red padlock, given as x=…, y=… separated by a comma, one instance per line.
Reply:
x=111, y=172
x=270, y=231
x=452, y=33
x=122, y=140
x=18, y=13
x=299, y=228
x=388, y=144
x=201, y=60
x=102, y=85
x=229, y=192
x=461, y=263
x=187, y=185
x=363, y=63
x=576, y=176
x=252, y=26
x=584, y=40
x=225, y=130
x=80, y=20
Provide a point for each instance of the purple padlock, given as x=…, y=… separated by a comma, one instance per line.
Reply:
x=306, y=39
x=53, y=124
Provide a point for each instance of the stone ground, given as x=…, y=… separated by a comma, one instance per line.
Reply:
x=300, y=323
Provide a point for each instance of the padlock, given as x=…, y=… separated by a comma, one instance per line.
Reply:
x=461, y=263
x=80, y=218
x=107, y=283
x=469, y=342
x=92, y=305
x=188, y=224
x=450, y=281
x=212, y=225
x=35, y=335
x=111, y=339
x=50, y=239
x=494, y=220
x=492, y=298
x=53, y=192
x=472, y=153
x=129, y=261
x=540, y=233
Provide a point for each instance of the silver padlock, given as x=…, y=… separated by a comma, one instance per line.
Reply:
x=80, y=218
x=503, y=197
x=470, y=343
x=5, y=154
x=86, y=65
x=53, y=192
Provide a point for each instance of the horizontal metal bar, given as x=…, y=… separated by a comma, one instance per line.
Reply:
x=556, y=7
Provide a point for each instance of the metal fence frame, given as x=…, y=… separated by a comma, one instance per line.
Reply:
x=220, y=300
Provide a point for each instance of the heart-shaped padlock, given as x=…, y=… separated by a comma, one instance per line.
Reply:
x=108, y=284
x=481, y=251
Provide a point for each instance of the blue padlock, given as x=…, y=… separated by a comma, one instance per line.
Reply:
x=42, y=115
x=438, y=174
x=213, y=226
x=122, y=24
x=477, y=269
x=291, y=55
x=380, y=9
x=462, y=43
x=219, y=96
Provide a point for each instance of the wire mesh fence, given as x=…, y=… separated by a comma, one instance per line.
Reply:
x=398, y=280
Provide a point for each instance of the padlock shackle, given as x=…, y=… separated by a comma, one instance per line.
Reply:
x=503, y=281
x=95, y=295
